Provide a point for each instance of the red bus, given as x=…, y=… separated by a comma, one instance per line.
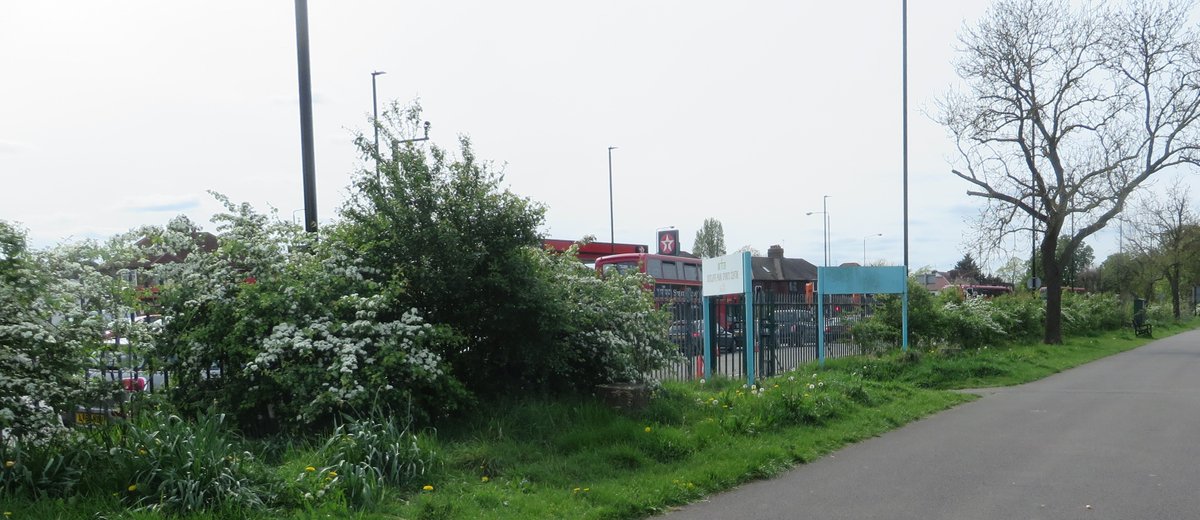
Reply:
x=676, y=278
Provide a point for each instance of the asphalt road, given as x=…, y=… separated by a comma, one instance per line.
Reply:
x=1115, y=439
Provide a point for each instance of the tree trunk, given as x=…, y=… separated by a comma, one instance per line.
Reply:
x=1173, y=278
x=1053, y=284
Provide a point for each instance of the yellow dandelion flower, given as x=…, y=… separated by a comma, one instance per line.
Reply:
x=333, y=473
x=310, y=469
x=585, y=490
x=647, y=429
x=9, y=463
x=132, y=488
x=8, y=513
x=484, y=479
x=576, y=490
x=427, y=487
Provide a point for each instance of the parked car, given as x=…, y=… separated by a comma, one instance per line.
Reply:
x=795, y=327
x=837, y=329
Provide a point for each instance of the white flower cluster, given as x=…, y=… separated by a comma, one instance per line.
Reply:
x=346, y=352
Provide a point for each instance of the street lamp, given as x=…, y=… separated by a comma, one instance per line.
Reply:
x=375, y=121
x=612, y=229
x=865, y=246
x=825, y=206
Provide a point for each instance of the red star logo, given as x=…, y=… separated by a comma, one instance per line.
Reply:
x=668, y=245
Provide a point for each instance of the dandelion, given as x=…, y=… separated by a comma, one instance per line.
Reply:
x=820, y=383
x=310, y=469
x=576, y=490
x=132, y=488
x=754, y=388
x=7, y=513
x=333, y=473
x=427, y=487
x=701, y=381
x=142, y=451
x=9, y=463
x=812, y=386
x=791, y=378
x=484, y=479
x=647, y=429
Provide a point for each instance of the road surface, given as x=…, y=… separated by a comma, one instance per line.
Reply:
x=1118, y=438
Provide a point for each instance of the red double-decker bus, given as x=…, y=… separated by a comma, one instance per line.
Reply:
x=676, y=278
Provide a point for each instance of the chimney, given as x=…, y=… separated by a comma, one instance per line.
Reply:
x=775, y=251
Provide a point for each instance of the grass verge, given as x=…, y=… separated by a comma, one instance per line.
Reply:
x=579, y=459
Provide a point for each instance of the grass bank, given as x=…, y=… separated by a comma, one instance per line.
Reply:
x=580, y=459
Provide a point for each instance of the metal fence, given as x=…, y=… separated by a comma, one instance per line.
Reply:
x=785, y=333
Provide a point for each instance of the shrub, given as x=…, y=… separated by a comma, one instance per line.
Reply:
x=39, y=470
x=44, y=334
x=973, y=322
x=167, y=463
x=363, y=456
x=597, y=330
x=280, y=313
x=1088, y=314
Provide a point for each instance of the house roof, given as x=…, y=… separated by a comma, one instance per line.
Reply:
x=783, y=269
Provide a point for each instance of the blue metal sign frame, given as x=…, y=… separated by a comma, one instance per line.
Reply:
x=861, y=280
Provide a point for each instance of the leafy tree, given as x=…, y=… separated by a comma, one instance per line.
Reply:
x=1127, y=274
x=1167, y=233
x=1014, y=272
x=1068, y=111
x=710, y=239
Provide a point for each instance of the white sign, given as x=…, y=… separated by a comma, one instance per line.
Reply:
x=724, y=275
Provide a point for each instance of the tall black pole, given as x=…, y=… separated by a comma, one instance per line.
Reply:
x=904, y=101
x=612, y=229
x=375, y=121
x=306, y=120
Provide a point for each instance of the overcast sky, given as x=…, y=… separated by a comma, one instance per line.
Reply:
x=116, y=114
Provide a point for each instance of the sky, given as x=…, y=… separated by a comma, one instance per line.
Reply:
x=115, y=114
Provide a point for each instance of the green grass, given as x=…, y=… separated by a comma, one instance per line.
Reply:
x=576, y=458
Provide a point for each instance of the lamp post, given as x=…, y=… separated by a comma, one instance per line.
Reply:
x=825, y=216
x=612, y=229
x=865, y=246
x=375, y=121
x=308, y=160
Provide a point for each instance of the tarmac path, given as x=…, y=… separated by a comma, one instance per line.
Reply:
x=1118, y=438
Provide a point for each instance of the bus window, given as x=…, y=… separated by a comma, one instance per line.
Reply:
x=621, y=267
x=670, y=271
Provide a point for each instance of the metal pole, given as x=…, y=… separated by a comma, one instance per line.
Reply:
x=612, y=233
x=375, y=120
x=306, y=123
x=904, y=97
x=825, y=212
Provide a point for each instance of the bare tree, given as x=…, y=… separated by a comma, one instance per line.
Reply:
x=1165, y=233
x=1067, y=111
